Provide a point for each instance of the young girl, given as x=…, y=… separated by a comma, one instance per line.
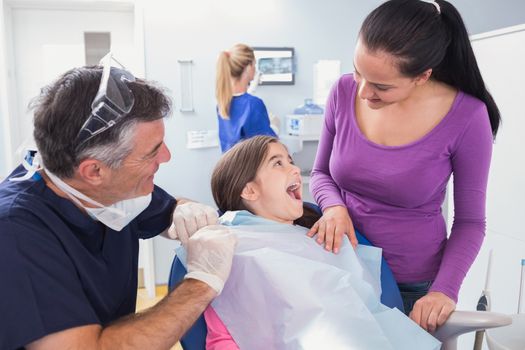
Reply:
x=275, y=297
x=240, y=114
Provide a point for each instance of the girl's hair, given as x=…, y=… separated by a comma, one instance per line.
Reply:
x=230, y=66
x=237, y=168
x=421, y=36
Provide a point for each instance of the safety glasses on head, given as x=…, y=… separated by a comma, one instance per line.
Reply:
x=113, y=100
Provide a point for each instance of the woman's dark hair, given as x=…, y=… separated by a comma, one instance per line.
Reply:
x=238, y=167
x=423, y=37
x=63, y=107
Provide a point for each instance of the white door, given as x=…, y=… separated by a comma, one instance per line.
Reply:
x=47, y=42
x=48, y=38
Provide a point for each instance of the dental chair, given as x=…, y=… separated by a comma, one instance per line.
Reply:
x=459, y=322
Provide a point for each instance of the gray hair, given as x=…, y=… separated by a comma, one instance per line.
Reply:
x=63, y=107
x=113, y=154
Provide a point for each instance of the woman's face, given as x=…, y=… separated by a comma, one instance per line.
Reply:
x=379, y=81
x=276, y=192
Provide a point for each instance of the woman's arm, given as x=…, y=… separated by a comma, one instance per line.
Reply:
x=470, y=166
x=323, y=187
x=335, y=222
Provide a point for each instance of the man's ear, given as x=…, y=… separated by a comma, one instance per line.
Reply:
x=423, y=77
x=250, y=192
x=92, y=171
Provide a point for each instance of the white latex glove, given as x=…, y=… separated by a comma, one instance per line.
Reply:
x=275, y=123
x=190, y=217
x=210, y=254
x=254, y=83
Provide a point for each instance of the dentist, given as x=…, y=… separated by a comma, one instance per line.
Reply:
x=71, y=220
x=240, y=115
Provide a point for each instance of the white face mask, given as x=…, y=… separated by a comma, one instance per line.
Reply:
x=115, y=216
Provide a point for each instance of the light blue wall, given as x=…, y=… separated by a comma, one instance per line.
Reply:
x=200, y=29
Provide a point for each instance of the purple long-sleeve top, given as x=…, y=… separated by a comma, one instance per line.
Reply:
x=394, y=193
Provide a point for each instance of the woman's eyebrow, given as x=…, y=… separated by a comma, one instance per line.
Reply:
x=376, y=84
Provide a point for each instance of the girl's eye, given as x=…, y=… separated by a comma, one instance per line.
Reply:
x=279, y=162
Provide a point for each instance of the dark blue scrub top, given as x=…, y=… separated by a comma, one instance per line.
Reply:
x=248, y=117
x=61, y=269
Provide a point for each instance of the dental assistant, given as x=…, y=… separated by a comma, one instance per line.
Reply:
x=70, y=229
x=414, y=112
x=240, y=114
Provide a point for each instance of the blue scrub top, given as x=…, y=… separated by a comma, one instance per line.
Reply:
x=61, y=269
x=248, y=117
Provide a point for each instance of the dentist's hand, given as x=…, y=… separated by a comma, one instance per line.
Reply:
x=332, y=226
x=190, y=217
x=210, y=254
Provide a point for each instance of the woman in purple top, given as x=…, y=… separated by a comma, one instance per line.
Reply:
x=415, y=111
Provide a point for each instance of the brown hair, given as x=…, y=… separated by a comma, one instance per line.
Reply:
x=235, y=169
x=238, y=167
x=230, y=65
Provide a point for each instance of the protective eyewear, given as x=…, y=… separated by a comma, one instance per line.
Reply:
x=113, y=100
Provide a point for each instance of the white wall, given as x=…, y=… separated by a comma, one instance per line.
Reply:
x=500, y=56
x=5, y=142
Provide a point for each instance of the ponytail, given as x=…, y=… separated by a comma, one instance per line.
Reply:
x=230, y=66
x=223, y=85
x=459, y=67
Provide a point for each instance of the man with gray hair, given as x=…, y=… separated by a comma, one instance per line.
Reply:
x=71, y=220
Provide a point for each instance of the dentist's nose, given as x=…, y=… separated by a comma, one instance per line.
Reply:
x=164, y=154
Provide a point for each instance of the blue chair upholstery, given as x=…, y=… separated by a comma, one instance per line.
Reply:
x=195, y=337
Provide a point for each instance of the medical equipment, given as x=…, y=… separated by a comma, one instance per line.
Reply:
x=307, y=120
x=113, y=100
x=483, y=304
x=512, y=336
x=521, y=295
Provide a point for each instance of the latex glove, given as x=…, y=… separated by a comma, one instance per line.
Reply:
x=188, y=218
x=254, y=83
x=332, y=226
x=210, y=254
x=432, y=310
x=275, y=123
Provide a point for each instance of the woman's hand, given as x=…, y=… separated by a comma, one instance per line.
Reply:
x=332, y=226
x=432, y=310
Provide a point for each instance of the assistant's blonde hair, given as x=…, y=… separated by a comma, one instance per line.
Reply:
x=230, y=66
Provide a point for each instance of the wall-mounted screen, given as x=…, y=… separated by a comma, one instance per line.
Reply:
x=275, y=64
